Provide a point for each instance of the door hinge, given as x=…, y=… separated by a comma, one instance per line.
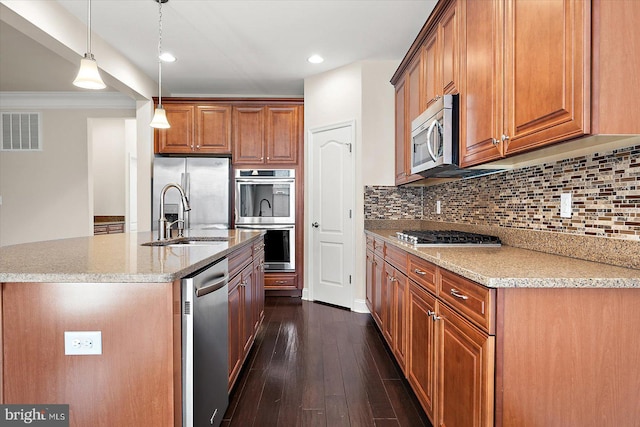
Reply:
x=349, y=279
x=350, y=213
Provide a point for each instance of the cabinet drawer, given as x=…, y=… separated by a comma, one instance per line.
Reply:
x=473, y=301
x=278, y=281
x=115, y=228
x=239, y=259
x=370, y=244
x=396, y=257
x=422, y=272
x=378, y=247
x=100, y=229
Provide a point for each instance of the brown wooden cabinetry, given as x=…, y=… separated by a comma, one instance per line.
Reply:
x=266, y=135
x=246, y=303
x=526, y=86
x=195, y=129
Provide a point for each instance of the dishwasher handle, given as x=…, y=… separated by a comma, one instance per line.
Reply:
x=212, y=285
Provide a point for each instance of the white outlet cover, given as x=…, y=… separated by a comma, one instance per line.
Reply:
x=82, y=343
x=565, y=205
x=438, y=207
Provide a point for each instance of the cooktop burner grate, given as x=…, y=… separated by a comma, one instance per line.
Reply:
x=447, y=238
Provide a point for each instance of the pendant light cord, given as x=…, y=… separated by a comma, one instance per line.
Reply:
x=159, y=53
x=89, y=30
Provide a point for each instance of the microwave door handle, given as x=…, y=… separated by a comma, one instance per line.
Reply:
x=433, y=125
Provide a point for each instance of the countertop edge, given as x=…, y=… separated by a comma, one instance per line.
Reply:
x=516, y=282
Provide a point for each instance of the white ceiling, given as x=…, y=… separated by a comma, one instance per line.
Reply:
x=226, y=47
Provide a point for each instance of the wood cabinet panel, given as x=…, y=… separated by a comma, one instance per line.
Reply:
x=369, y=273
x=379, y=282
x=179, y=138
x=248, y=131
x=258, y=284
x=421, y=356
x=401, y=132
x=422, y=272
x=282, y=135
x=248, y=306
x=235, y=328
x=476, y=302
x=136, y=371
x=449, y=50
x=432, y=77
x=399, y=317
x=213, y=129
x=396, y=257
x=276, y=281
x=466, y=367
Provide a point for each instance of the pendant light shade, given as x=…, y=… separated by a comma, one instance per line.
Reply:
x=88, y=76
x=159, y=120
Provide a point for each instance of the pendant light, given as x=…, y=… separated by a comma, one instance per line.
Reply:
x=88, y=76
x=159, y=120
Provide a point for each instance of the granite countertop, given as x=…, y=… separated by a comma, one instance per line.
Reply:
x=511, y=267
x=115, y=258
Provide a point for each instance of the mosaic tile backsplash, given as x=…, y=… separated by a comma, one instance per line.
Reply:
x=605, y=190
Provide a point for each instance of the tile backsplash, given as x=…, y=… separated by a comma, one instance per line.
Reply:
x=605, y=189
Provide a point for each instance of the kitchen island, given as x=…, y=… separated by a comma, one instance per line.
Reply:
x=507, y=336
x=112, y=284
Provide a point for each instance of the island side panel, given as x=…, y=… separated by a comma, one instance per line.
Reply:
x=130, y=383
x=568, y=357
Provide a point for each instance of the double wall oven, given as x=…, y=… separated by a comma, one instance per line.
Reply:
x=265, y=200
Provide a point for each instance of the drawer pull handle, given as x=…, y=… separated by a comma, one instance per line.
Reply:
x=420, y=272
x=456, y=294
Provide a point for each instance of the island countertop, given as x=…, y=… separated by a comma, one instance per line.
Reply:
x=116, y=258
x=511, y=267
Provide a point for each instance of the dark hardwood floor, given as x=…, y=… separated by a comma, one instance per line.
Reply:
x=318, y=365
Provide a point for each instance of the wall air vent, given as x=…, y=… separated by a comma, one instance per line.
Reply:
x=20, y=132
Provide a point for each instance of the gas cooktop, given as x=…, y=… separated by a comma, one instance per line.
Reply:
x=424, y=238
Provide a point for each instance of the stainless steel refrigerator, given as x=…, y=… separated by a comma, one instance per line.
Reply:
x=206, y=183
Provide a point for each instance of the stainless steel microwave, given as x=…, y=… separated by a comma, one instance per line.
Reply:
x=434, y=138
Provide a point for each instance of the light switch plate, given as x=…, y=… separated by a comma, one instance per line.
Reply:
x=82, y=342
x=438, y=207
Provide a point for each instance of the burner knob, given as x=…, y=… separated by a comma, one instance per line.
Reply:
x=414, y=240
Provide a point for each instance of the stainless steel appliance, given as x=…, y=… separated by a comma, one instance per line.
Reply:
x=435, y=142
x=205, y=181
x=265, y=196
x=205, y=346
x=424, y=238
x=279, y=245
x=266, y=200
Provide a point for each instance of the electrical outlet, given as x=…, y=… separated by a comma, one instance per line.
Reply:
x=565, y=205
x=82, y=342
x=438, y=207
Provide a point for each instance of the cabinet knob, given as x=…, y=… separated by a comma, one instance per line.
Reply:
x=505, y=137
x=494, y=141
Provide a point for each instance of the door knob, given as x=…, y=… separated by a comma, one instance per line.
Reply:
x=315, y=225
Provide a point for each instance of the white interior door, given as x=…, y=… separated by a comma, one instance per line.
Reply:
x=331, y=208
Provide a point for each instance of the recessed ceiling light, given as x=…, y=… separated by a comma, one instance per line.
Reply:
x=315, y=59
x=167, y=57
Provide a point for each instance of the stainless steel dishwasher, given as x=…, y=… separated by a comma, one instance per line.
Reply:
x=205, y=346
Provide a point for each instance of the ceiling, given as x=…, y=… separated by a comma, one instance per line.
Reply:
x=225, y=47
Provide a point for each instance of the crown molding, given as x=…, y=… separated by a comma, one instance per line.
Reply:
x=66, y=100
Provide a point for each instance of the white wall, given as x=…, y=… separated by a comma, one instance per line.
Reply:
x=107, y=141
x=46, y=194
x=359, y=92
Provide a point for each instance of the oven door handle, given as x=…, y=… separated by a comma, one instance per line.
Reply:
x=265, y=181
x=265, y=226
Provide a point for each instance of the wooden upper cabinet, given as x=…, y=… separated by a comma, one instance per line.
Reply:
x=480, y=82
x=409, y=105
x=248, y=135
x=213, y=129
x=195, y=129
x=527, y=85
x=448, y=33
x=401, y=131
x=282, y=134
x=179, y=137
x=266, y=134
x=432, y=75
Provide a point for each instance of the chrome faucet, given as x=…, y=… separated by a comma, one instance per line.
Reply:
x=164, y=226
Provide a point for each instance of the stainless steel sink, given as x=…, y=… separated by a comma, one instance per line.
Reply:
x=189, y=241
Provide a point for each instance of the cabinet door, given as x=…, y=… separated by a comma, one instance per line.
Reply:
x=213, y=125
x=370, y=272
x=465, y=360
x=481, y=81
x=401, y=132
x=387, y=305
x=179, y=137
x=379, y=280
x=283, y=134
x=258, y=287
x=421, y=361
x=235, y=328
x=449, y=50
x=247, y=308
x=248, y=135
x=547, y=69
x=432, y=80
x=400, y=303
